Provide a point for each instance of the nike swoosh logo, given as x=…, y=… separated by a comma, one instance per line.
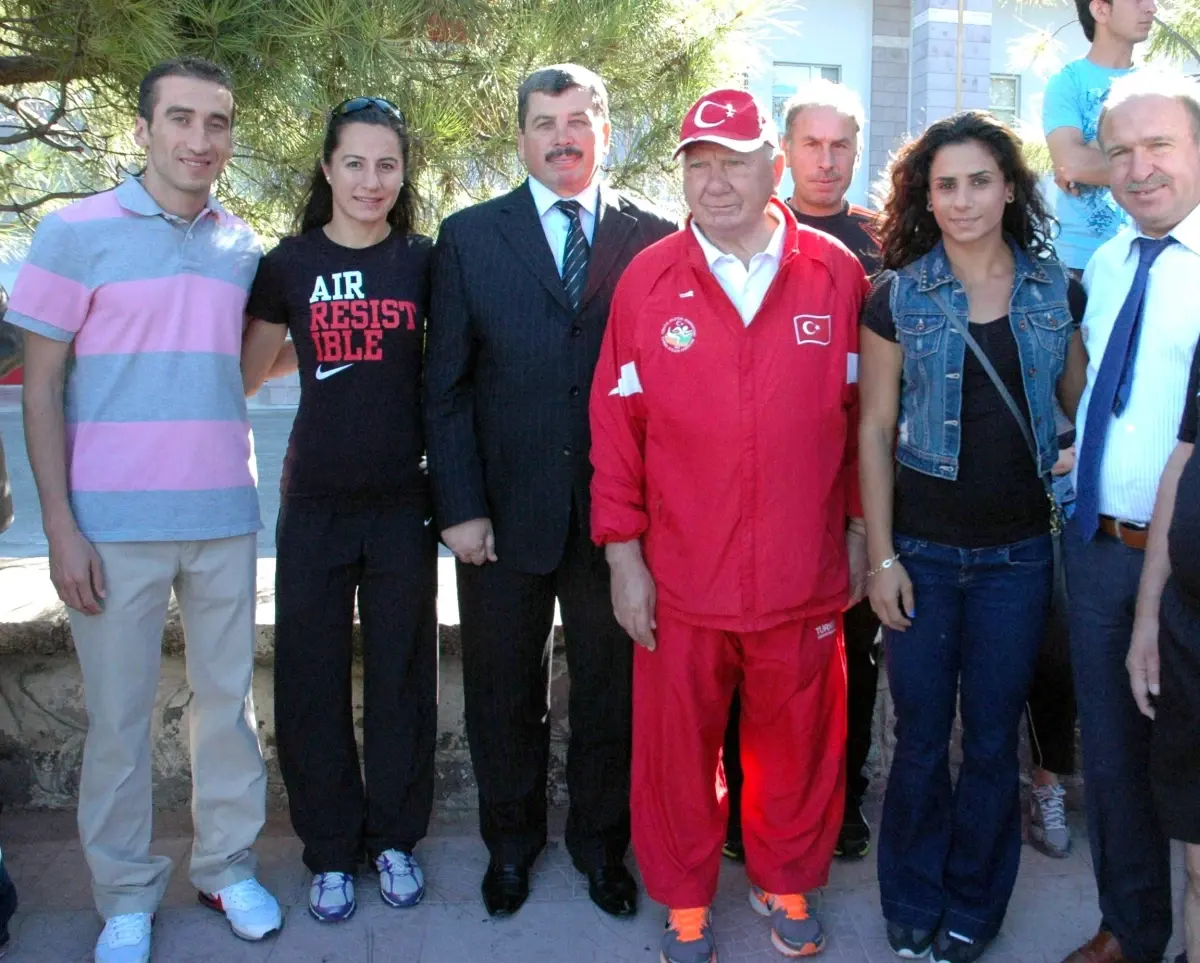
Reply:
x=322, y=374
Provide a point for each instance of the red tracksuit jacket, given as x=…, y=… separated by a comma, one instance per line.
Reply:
x=731, y=449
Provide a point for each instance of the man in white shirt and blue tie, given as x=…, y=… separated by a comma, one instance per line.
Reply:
x=1140, y=330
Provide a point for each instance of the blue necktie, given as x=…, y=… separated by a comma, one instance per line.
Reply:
x=1110, y=393
x=575, y=254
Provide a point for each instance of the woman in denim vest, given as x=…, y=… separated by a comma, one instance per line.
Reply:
x=958, y=518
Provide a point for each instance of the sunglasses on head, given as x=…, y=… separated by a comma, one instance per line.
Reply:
x=355, y=104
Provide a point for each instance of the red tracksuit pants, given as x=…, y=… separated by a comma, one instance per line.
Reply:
x=793, y=728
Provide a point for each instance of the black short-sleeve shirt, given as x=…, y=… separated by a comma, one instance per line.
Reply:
x=1183, y=537
x=854, y=227
x=357, y=319
x=998, y=497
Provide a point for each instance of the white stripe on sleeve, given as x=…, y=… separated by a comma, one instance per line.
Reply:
x=628, y=383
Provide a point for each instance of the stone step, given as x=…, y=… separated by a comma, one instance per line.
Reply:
x=43, y=717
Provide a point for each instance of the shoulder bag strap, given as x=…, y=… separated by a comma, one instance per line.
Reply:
x=1027, y=434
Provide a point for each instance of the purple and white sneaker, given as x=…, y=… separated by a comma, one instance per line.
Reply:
x=401, y=882
x=331, y=897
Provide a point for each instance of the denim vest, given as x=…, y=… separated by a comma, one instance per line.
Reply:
x=930, y=432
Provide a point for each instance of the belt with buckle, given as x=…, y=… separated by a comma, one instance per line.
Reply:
x=1129, y=535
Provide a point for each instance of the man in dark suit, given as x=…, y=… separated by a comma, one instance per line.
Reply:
x=521, y=291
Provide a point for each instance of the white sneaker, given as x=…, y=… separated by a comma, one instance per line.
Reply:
x=125, y=939
x=401, y=882
x=331, y=897
x=250, y=909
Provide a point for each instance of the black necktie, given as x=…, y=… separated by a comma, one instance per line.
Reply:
x=575, y=254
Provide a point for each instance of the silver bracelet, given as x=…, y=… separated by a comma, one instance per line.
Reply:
x=886, y=563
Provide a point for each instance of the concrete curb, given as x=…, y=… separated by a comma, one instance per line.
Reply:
x=43, y=718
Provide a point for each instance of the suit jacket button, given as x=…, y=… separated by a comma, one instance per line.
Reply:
x=574, y=392
x=576, y=331
x=567, y=450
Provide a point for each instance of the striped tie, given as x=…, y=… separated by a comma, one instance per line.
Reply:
x=575, y=254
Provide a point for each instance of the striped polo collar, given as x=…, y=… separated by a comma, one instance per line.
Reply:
x=132, y=195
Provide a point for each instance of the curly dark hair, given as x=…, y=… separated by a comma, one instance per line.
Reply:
x=907, y=229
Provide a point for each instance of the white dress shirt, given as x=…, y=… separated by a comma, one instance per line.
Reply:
x=746, y=286
x=1143, y=436
x=556, y=223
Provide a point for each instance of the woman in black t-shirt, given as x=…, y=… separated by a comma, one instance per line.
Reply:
x=352, y=289
x=958, y=516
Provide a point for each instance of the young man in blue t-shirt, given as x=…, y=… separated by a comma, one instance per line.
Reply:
x=1071, y=106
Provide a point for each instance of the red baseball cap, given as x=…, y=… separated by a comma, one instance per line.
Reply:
x=730, y=117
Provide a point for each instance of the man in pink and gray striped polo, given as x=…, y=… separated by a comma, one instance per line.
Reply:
x=132, y=304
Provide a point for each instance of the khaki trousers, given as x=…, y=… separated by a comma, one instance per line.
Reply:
x=120, y=654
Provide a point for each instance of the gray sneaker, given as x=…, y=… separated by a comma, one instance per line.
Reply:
x=689, y=937
x=1048, y=827
x=794, y=931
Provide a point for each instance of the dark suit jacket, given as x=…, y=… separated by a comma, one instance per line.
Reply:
x=509, y=366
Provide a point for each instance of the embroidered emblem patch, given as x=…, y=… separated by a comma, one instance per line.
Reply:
x=678, y=335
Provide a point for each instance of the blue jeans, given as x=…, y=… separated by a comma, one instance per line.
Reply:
x=949, y=855
x=1130, y=852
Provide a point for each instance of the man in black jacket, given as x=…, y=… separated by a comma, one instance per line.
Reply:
x=521, y=293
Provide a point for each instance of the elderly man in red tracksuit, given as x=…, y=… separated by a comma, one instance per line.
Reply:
x=723, y=417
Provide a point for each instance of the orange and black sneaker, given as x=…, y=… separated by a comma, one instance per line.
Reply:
x=794, y=931
x=689, y=937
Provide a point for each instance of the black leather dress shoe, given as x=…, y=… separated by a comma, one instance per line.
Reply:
x=505, y=888
x=613, y=889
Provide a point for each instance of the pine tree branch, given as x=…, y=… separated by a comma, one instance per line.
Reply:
x=44, y=199
x=36, y=69
x=47, y=129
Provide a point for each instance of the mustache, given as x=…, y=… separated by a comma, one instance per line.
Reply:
x=1151, y=182
x=558, y=152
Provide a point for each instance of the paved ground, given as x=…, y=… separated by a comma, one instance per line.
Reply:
x=1052, y=911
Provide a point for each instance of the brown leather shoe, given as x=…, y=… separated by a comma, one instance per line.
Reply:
x=1101, y=948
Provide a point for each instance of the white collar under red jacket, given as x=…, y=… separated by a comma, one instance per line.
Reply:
x=731, y=450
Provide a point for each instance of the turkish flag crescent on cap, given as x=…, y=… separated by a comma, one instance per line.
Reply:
x=730, y=117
